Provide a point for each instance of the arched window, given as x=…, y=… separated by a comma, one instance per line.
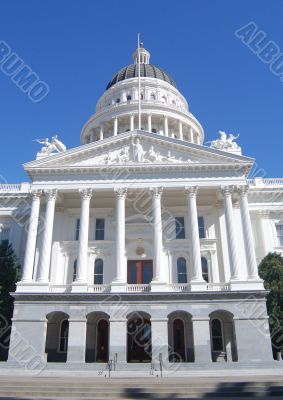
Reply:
x=118, y=100
x=63, y=339
x=174, y=102
x=98, y=272
x=154, y=130
x=204, y=267
x=152, y=96
x=75, y=270
x=141, y=96
x=164, y=99
x=182, y=270
x=129, y=97
x=216, y=335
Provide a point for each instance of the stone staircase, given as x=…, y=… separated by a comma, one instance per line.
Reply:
x=139, y=388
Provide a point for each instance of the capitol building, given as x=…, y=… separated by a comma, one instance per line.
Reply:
x=141, y=245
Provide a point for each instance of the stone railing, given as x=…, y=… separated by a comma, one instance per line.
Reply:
x=263, y=182
x=98, y=288
x=141, y=288
x=60, y=288
x=218, y=287
x=15, y=187
x=178, y=287
x=138, y=288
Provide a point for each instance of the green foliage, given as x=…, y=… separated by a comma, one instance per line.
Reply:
x=9, y=275
x=271, y=271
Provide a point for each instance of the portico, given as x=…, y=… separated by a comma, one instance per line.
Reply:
x=159, y=238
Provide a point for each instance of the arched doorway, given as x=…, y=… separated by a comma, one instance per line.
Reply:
x=180, y=337
x=222, y=337
x=179, y=352
x=97, y=338
x=57, y=334
x=139, y=338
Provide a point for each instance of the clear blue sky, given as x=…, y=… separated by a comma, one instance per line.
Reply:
x=76, y=47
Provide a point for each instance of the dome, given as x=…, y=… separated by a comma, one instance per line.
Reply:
x=147, y=71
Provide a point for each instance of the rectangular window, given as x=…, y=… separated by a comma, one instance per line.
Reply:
x=180, y=227
x=77, y=233
x=99, y=228
x=279, y=229
x=5, y=236
x=201, y=228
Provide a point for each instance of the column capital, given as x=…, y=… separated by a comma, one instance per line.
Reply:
x=191, y=191
x=156, y=191
x=243, y=190
x=86, y=193
x=50, y=194
x=227, y=191
x=36, y=194
x=121, y=193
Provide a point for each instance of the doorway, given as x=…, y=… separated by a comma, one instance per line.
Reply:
x=139, y=339
x=140, y=271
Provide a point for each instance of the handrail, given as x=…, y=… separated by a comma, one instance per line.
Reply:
x=265, y=181
x=15, y=187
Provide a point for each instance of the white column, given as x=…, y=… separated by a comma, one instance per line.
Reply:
x=149, y=122
x=83, y=237
x=31, y=237
x=159, y=340
x=231, y=232
x=248, y=233
x=92, y=136
x=43, y=273
x=118, y=339
x=194, y=235
x=76, y=340
x=157, y=235
x=132, y=122
x=121, y=271
x=198, y=139
x=165, y=125
x=191, y=134
x=202, y=341
x=101, y=133
x=115, y=127
x=181, y=131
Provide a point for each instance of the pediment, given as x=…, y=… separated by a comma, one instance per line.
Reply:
x=137, y=149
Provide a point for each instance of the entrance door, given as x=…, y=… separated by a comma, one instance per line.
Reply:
x=179, y=341
x=139, y=271
x=139, y=340
x=102, y=341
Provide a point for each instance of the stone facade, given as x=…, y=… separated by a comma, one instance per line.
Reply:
x=142, y=244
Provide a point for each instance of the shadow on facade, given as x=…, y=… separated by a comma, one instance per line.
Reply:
x=225, y=390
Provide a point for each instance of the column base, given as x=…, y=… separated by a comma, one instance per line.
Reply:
x=118, y=287
x=32, y=287
x=157, y=286
x=256, y=284
x=198, y=286
x=79, y=287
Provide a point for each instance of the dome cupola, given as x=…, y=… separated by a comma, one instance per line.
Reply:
x=142, y=95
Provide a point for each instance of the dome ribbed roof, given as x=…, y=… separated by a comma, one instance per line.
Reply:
x=147, y=71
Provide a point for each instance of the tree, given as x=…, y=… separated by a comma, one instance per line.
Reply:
x=9, y=275
x=271, y=271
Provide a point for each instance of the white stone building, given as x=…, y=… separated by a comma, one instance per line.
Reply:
x=142, y=244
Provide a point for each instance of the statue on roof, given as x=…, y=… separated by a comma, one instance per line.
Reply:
x=226, y=142
x=50, y=147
